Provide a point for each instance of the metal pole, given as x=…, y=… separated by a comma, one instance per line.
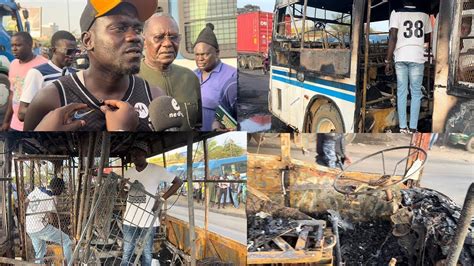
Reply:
x=22, y=200
x=206, y=190
x=77, y=192
x=192, y=236
x=366, y=65
x=32, y=174
x=462, y=229
x=7, y=174
x=68, y=17
x=305, y=7
x=21, y=224
x=104, y=157
x=90, y=150
x=285, y=147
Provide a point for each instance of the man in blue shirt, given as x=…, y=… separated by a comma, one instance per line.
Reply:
x=212, y=74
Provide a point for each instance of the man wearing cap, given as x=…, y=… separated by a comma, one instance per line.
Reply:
x=212, y=74
x=114, y=99
x=138, y=215
x=161, y=46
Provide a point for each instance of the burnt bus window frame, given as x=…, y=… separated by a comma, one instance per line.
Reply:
x=279, y=39
x=216, y=7
x=456, y=87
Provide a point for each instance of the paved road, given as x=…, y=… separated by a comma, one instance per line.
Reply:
x=229, y=226
x=448, y=170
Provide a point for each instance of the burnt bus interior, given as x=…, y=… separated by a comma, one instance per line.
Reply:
x=325, y=49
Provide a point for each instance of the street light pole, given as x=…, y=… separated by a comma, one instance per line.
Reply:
x=68, y=17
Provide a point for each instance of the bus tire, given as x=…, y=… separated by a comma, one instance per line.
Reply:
x=327, y=119
x=461, y=118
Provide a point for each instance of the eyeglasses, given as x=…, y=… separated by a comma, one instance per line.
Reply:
x=69, y=52
x=174, y=38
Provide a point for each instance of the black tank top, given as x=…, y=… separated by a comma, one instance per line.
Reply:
x=72, y=90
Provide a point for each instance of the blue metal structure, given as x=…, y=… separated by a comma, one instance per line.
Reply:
x=9, y=8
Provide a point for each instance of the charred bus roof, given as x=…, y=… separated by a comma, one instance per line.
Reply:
x=381, y=8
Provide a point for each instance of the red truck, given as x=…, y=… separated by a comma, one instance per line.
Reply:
x=254, y=35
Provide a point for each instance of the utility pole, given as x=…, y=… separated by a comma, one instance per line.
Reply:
x=68, y=17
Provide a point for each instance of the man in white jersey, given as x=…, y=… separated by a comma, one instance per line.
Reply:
x=140, y=206
x=40, y=206
x=409, y=30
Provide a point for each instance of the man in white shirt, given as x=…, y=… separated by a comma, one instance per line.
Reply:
x=147, y=179
x=63, y=49
x=40, y=206
x=409, y=30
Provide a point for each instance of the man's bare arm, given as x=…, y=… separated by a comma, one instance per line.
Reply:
x=44, y=102
x=392, y=43
x=177, y=183
x=22, y=111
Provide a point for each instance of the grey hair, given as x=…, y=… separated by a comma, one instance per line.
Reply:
x=157, y=15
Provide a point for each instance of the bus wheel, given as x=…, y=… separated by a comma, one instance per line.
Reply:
x=327, y=119
x=461, y=118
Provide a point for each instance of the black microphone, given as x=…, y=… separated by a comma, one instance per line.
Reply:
x=165, y=114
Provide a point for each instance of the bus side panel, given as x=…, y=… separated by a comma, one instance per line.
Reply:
x=279, y=94
x=296, y=95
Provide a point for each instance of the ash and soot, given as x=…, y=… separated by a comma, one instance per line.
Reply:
x=420, y=232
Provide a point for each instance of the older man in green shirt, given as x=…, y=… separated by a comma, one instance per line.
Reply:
x=161, y=48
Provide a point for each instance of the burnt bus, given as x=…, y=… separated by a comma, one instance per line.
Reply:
x=327, y=74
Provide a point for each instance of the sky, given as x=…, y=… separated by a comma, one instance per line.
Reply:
x=265, y=5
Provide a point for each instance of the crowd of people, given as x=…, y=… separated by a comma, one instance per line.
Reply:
x=222, y=193
x=131, y=52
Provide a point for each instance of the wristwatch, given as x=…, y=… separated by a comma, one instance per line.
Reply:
x=387, y=61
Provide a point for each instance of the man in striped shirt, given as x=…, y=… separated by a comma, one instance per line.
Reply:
x=63, y=50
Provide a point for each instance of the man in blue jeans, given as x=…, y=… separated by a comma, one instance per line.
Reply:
x=40, y=208
x=146, y=179
x=409, y=30
x=331, y=150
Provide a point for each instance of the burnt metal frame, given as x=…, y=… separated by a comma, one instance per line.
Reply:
x=417, y=150
x=455, y=88
x=85, y=240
